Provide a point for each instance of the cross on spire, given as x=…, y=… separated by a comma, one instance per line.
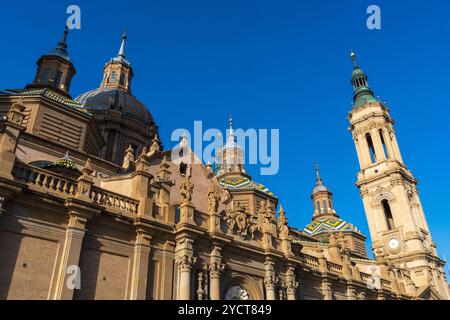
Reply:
x=122, y=45
x=318, y=178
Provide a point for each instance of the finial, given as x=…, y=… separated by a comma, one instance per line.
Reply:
x=353, y=56
x=318, y=178
x=62, y=44
x=122, y=46
x=231, y=121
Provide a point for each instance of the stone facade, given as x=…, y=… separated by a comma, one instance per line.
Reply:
x=78, y=222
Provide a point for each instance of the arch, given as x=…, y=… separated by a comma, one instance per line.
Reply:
x=383, y=194
x=386, y=207
x=246, y=282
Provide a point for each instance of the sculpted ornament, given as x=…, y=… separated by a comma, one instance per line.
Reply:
x=213, y=200
x=239, y=221
x=282, y=225
x=216, y=268
x=186, y=190
x=265, y=216
x=185, y=262
x=270, y=282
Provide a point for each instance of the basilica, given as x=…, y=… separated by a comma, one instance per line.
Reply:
x=92, y=207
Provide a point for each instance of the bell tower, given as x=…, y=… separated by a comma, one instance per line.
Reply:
x=397, y=222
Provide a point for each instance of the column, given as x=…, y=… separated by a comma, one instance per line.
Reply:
x=351, y=292
x=140, y=266
x=359, y=152
x=215, y=270
x=270, y=281
x=291, y=284
x=364, y=149
x=185, y=264
x=396, y=148
x=69, y=274
x=378, y=145
x=388, y=142
x=326, y=289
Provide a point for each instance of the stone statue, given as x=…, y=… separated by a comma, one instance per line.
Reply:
x=213, y=200
x=282, y=225
x=186, y=190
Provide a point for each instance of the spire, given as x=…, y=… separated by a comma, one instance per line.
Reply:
x=353, y=55
x=122, y=46
x=62, y=44
x=61, y=48
x=231, y=136
x=117, y=72
x=318, y=178
x=362, y=92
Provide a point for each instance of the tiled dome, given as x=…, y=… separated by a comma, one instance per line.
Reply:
x=326, y=225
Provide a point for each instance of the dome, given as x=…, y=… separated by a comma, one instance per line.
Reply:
x=242, y=183
x=103, y=99
x=326, y=225
x=357, y=72
x=320, y=188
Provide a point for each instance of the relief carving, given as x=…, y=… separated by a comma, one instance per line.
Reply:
x=245, y=225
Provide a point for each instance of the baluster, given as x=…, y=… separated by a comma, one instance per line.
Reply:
x=38, y=178
x=45, y=181
x=72, y=189
x=59, y=185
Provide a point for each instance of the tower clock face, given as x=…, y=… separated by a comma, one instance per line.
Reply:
x=237, y=293
x=394, y=244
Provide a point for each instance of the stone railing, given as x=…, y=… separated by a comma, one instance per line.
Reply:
x=45, y=181
x=52, y=183
x=114, y=201
x=311, y=261
x=333, y=267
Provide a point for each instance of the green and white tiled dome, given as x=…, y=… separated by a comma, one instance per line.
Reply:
x=326, y=225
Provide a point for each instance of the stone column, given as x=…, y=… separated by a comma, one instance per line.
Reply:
x=215, y=269
x=365, y=152
x=291, y=284
x=69, y=275
x=396, y=148
x=140, y=265
x=378, y=145
x=270, y=281
x=388, y=142
x=351, y=292
x=185, y=264
x=327, y=293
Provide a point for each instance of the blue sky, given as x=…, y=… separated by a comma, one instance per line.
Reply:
x=273, y=64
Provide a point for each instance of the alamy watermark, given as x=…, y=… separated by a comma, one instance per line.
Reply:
x=235, y=147
x=74, y=279
x=374, y=20
x=73, y=21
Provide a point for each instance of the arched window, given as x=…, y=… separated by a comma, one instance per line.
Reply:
x=388, y=214
x=383, y=143
x=373, y=155
x=58, y=76
x=113, y=76
x=318, y=207
x=325, y=206
x=45, y=75
x=122, y=79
